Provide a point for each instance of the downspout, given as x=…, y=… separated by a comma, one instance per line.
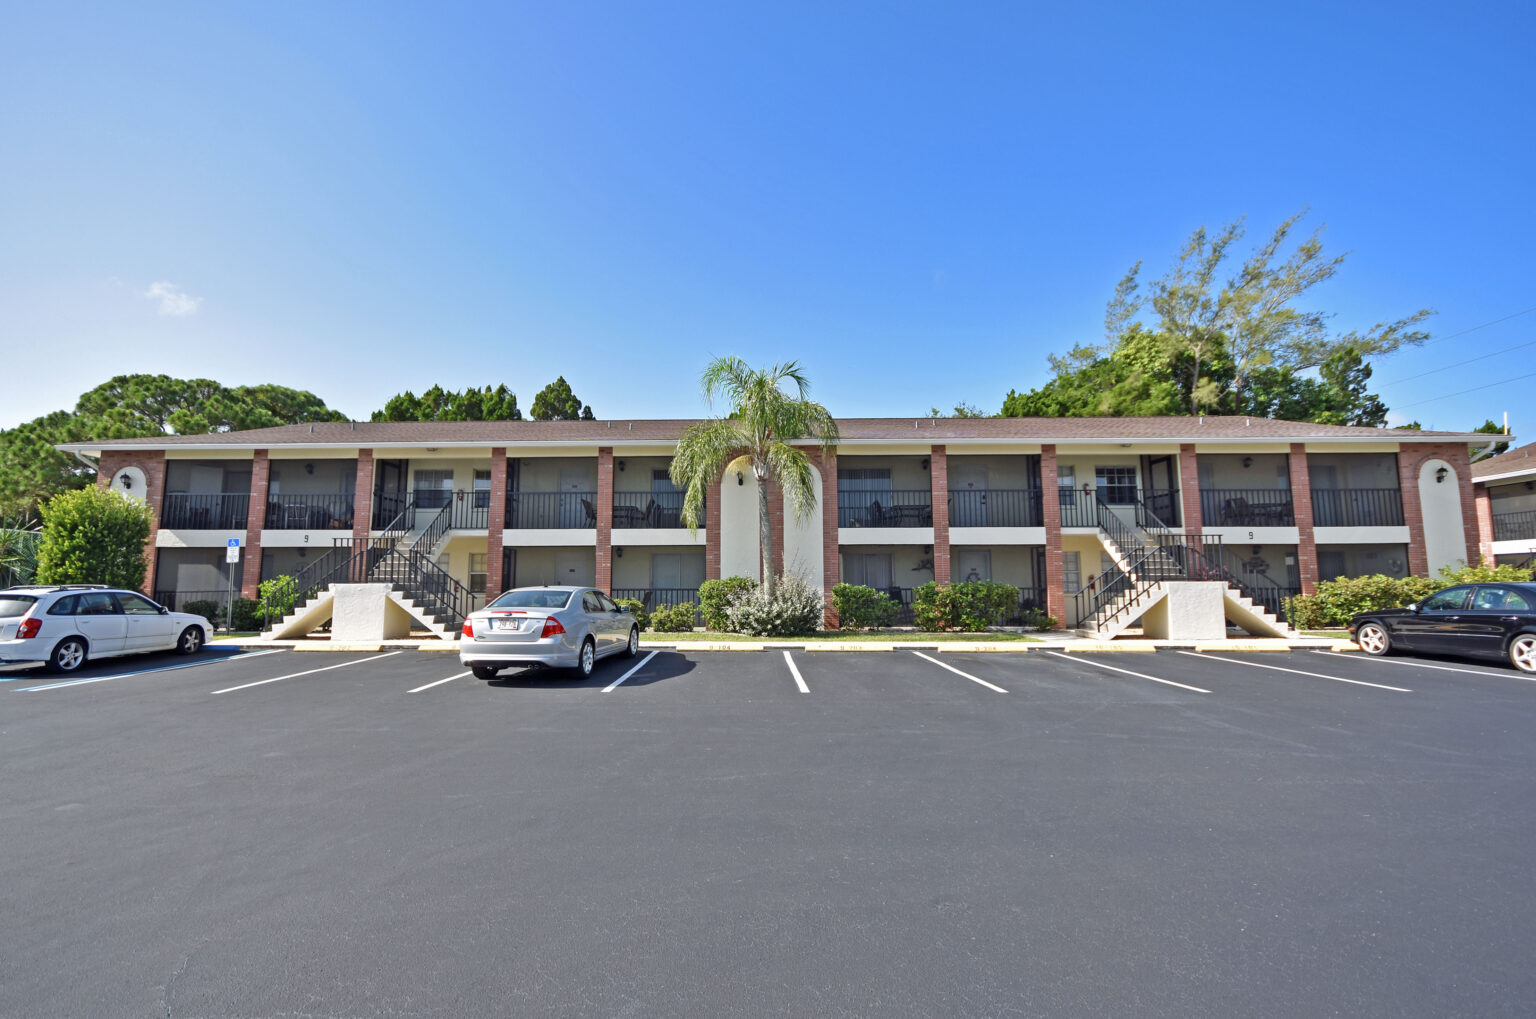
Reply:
x=93, y=466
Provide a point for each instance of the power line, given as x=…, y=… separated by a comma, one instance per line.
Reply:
x=1474, y=389
x=1485, y=325
x=1458, y=364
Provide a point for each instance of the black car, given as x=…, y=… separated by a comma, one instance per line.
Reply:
x=1486, y=620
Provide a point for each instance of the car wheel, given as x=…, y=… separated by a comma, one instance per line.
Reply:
x=484, y=671
x=633, y=648
x=191, y=641
x=1374, y=639
x=587, y=660
x=68, y=655
x=1522, y=652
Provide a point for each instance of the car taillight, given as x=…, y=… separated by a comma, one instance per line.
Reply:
x=469, y=628
x=29, y=627
x=551, y=628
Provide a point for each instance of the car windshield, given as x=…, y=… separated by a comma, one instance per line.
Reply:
x=532, y=598
x=15, y=604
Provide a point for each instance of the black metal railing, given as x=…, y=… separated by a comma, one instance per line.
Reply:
x=658, y=597
x=331, y=512
x=1517, y=526
x=909, y=508
x=1031, y=598
x=177, y=601
x=432, y=498
x=995, y=507
x=439, y=525
x=389, y=505
x=558, y=510
x=1246, y=507
x=193, y=511
x=427, y=583
x=1159, y=507
x=1357, y=507
x=648, y=509
x=1079, y=507
x=334, y=565
x=471, y=511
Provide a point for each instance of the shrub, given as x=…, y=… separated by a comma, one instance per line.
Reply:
x=1037, y=619
x=636, y=608
x=247, y=615
x=93, y=536
x=1337, y=601
x=674, y=618
x=715, y=597
x=208, y=609
x=795, y=610
x=859, y=607
x=967, y=606
x=277, y=597
x=1487, y=573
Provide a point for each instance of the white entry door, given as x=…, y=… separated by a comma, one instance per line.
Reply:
x=972, y=565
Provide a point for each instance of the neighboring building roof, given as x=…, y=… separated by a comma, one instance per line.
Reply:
x=1510, y=463
x=491, y=433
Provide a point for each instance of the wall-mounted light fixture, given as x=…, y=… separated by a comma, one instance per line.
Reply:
x=1440, y=473
x=309, y=468
x=621, y=466
x=1247, y=462
x=126, y=480
x=927, y=550
x=739, y=479
x=925, y=463
x=618, y=553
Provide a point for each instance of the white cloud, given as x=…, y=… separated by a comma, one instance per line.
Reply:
x=173, y=300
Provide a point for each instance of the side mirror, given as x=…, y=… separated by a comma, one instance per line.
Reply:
x=164, y=611
x=1412, y=606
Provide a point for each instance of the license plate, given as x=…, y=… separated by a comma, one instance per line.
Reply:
x=506, y=624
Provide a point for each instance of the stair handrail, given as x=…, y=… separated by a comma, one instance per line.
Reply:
x=334, y=564
x=1149, y=568
x=436, y=529
x=435, y=586
x=1111, y=524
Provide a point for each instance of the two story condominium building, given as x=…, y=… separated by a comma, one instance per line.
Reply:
x=1054, y=507
x=1504, y=487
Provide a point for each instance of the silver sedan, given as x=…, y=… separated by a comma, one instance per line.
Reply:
x=558, y=627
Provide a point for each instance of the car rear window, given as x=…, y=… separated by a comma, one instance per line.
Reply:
x=532, y=599
x=15, y=604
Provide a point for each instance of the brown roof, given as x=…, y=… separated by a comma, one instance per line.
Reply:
x=1511, y=461
x=489, y=433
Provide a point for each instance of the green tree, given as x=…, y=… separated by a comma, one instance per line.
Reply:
x=764, y=420
x=439, y=404
x=962, y=410
x=1491, y=427
x=93, y=536
x=556, y=402
x=18, y=553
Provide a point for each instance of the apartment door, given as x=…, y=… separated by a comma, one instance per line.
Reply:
x=573, y=566
x=973, y=565
x=969, y=488
x=577, y=508
x=388, y=490
x=1162, y=489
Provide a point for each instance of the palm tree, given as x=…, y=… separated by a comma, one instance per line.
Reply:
x=764, y=419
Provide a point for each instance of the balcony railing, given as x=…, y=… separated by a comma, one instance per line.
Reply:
x=648, y=509
x=657, y=597
x=554, y=510
x=995, y=507
x=310, y=512
x=1517, y=526
x=210, y=512
x=1152, y=507
x=1357, y=507
x=885, y=509
x=1246, y=507
x=471, y=511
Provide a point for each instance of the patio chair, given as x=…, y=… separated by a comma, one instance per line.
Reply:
x=876, y=514
x=591, y=513
x=1236, y=511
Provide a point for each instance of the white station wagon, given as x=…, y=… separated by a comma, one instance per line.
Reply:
x=64, y=626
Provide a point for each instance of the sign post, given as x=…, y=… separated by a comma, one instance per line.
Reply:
x=232, y=557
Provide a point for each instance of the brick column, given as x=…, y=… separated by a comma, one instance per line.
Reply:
x=1189, y=488
x=712, y=499
x=1050, y=511
x=496, y=521
x=831, y=560
x=775, y=563
x=362, y=497
x=604, y=518
x=1301, y=507
x=938, y=480
x=1410, y=459
x=255, y=520
x=153, y=466
x=1484, y=503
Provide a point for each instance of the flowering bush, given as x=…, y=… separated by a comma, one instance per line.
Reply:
x=795, y=610
x=715, y=597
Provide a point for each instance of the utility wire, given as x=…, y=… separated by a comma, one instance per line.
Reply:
x=1463, y=392
x=1485, y=325
x=1458, y=364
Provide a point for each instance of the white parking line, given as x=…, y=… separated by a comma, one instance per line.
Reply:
x=631, y=672
x=956, y=671
x=1299, y=672
x=793, y=671
x=438, y=682
x=308, y=672
x=145, y=672
x=1441, y=668
x=1128, y=672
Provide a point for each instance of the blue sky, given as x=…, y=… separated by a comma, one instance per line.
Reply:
x=918, y=201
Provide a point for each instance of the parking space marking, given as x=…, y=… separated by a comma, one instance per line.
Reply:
x=439, y=682
x=631, y=672
x=308, y=672
x=1299, y=672
x=1128, y=672
x=956, y=671
x=145, y=672
x=1441, y=668
x=795, y=671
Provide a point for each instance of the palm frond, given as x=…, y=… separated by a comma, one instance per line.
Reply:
x=702, y=455
x=795, y=474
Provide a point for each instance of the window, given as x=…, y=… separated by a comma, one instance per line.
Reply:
x=1117, y=485
x=98, y=605
x=1066, y=484
x=1503, y=599
x=864, y=479
x=482, y=489
x=137, y=605
x=871, y=569
x=607, y=603
x=1451, y=599
x=62, y=607
x=477, y=562
x=433, y=489
x=532, y=599
x=591, y=602
x=1071, y=572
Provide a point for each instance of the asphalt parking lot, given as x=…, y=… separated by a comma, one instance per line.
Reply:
x=915, y=833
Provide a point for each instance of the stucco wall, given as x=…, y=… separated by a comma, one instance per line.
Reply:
x=802, y=539
x=1225, y=470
